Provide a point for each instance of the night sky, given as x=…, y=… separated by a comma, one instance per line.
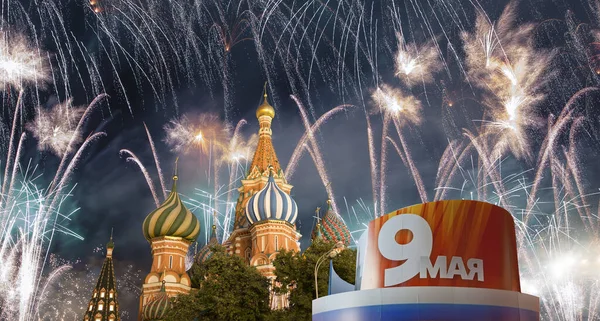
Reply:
x=111, y=193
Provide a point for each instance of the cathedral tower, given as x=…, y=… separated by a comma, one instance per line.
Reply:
x=104, y=306
x=170, y=229
x=265, y=213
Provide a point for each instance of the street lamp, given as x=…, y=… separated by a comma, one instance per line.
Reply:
x=338, y=247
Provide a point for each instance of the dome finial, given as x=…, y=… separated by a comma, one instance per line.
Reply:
x=110, y=245
x=265, y=91
x=162, y=287
x=175, y=177
x=265, y=109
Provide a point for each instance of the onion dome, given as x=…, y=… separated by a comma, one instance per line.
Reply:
x=156, y=309
x=333, y=227
x=265, y=109
x=172, y=218
x=205, y=253
x=271, y=203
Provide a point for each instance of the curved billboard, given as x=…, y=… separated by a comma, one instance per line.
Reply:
x=456, y=243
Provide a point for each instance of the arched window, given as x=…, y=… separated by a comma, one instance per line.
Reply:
x=98, y=317
x=111, y=294
x=94, y=294
x=112, y=317
x=91, y=306
x=102, y=292
x=87, y=318
x=111, y=307
x=100, y=306
x=248, y=254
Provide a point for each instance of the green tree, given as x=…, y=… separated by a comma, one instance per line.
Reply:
x=227, y=289
x=295, y=275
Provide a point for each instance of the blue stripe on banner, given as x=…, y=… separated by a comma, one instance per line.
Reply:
x=284, y=208
x=428, y=312
x=273, y=203
x=294, y=211
x=261, y=204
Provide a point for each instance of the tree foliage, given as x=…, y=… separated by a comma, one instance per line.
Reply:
x=227, y=289
x=295, y=275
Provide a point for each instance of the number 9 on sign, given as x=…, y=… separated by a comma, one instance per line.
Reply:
x=411, y=252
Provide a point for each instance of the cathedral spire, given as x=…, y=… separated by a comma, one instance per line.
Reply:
x=265, y=156
x=103, y=305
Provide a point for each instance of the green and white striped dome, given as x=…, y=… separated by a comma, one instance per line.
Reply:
x=172, y=218
x=156, y=309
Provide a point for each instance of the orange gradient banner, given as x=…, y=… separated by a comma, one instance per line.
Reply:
x=455, y=243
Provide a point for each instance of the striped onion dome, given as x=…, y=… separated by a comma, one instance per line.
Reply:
x=172, y=218
x=156, y=309
x=271, y=203
x=333, y=228
x=205, y=253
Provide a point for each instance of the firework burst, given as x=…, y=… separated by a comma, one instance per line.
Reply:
x=20, y=63
x=203, y=133
x=55, y=128
x=416, y=64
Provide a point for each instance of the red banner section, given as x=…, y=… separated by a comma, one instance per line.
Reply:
x=454, y=243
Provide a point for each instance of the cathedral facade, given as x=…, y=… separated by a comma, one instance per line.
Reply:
x=265, y=213
x=264, y=224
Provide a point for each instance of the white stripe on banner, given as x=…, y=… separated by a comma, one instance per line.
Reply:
x=280, y=201
x=267, y=205
x=425, y=295
x=255, y=207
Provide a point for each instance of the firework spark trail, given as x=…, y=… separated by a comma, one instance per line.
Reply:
x=413, y=169
x=488, y=166
x=27, y=227
x=86, y=114
x=133, y=158
x=449, y=163
x=403, y=110
x=573, y=165
x=383, y=166
x=66, y=176
x=9, y=157
x=548, y=144
x=15, y=168
x=318, y=157
x=297, y=154
x=22, y=254
x=233, y=155
x=398, y=150
x=156, y=163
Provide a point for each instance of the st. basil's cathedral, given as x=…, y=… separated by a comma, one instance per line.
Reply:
x=265, y=223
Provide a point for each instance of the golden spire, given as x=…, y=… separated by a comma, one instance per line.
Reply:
x=264, y=155
x=265, y=109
